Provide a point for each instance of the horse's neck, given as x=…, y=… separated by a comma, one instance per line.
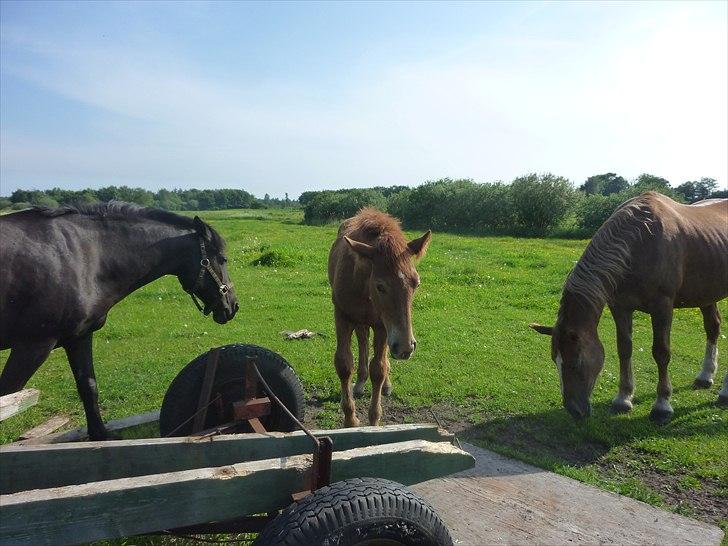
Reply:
x=136, y=255
x=577, y=311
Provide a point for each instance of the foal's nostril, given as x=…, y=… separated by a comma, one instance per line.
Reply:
x=395, y=348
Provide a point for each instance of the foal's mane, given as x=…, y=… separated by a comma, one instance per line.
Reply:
x=608, y=256
x=381, y=231
x=129, y=211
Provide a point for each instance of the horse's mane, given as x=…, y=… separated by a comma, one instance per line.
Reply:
x=123, y=210
x=382, y=231
x=608, y=255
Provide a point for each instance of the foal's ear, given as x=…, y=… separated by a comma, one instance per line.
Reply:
x=201, y=228
x=363, y=249
x=418, y=247
x=541, y=329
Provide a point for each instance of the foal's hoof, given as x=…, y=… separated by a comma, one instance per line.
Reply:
x=723, y=400
x=702, y=383
x=660, y=416
x=386, y=389
x=621, y=405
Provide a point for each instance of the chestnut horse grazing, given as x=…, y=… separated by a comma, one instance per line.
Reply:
x=652, y=255
x=372, y=281
x=62, y=270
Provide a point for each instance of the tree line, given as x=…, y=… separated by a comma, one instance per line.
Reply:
x=534, y=204
x=192, y=199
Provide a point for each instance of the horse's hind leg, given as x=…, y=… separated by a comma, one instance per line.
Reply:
x=723, y=394
x=344, y=363
x=362, y=373
x=80, y=357
x=661, y=323
x=22, y=363
x=711, y=321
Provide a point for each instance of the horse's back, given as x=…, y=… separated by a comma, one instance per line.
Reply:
x=690, y=244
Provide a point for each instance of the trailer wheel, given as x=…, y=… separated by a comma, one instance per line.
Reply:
x=176, y=415
x=360, y=511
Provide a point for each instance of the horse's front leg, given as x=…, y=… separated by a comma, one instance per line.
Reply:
x=711, y=322
x=362, y=372
x=379, y=372
x=22, y=363
x=80, y=357
x=344, y=363
x=661, y=323
x=622, y=403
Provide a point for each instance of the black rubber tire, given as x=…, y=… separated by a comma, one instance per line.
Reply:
x=180, y=401
x=360, y=511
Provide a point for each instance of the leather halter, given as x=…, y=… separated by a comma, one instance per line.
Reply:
x=205, y=266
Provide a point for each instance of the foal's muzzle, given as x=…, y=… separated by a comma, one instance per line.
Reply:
x=401, y=351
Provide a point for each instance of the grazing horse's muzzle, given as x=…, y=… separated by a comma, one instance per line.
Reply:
x=578, y=410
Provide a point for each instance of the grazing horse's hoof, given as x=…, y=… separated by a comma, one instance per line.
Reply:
x=387, y=389
x=702, y=383
x=621, y=405
x=353, y=422
x=359, y=388
x=723, y=400
x=660, y=416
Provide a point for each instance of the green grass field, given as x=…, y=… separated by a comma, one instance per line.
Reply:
x=478, y=366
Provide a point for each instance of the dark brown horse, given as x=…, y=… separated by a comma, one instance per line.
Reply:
x=652, y=255
x=63, y=269
x=372, y=281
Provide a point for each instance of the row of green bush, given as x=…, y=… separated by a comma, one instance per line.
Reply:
x=192, y=199
x=535, y=204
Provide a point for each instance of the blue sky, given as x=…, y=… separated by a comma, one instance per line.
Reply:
x=286, y=97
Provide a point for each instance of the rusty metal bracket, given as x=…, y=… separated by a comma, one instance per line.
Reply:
x=322, y=447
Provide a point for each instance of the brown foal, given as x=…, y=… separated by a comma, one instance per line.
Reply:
x=373, y=280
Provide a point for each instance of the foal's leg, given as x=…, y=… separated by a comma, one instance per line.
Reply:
x=362, y=373
x=661, y=323
x=711, y=321
x=622, y=403
x=80, y=358
x=22, y=363
x=344, y=362
x=378, y=370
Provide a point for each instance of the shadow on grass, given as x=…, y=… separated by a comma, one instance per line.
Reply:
x=551, y=437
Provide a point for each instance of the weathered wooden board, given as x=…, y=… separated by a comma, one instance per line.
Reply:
x=47, y=427
x=125, y=423
x=16, y=402
x=129, y=506
x=503, y=501
x=39, y=467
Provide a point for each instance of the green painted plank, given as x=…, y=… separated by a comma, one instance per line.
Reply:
x=129, y=506
x=54, y=465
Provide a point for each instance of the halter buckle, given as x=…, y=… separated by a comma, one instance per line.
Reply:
x=205, y=262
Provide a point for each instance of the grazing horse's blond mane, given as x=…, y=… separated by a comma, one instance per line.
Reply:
x=607, y=257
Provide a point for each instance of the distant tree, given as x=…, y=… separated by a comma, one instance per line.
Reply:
x=604, y=184
x=541, y=201
x=694, y=191
x=5, y=203
x=646, y=182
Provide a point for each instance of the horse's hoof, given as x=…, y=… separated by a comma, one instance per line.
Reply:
x=702, y=383
x=387, y=390
x=359, y=389
x=723, y=400
x=621, y=405
x=660, y=416
x=351, y=423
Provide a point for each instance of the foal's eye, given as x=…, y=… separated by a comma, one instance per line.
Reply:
x=223, y=260
x=381, y=288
